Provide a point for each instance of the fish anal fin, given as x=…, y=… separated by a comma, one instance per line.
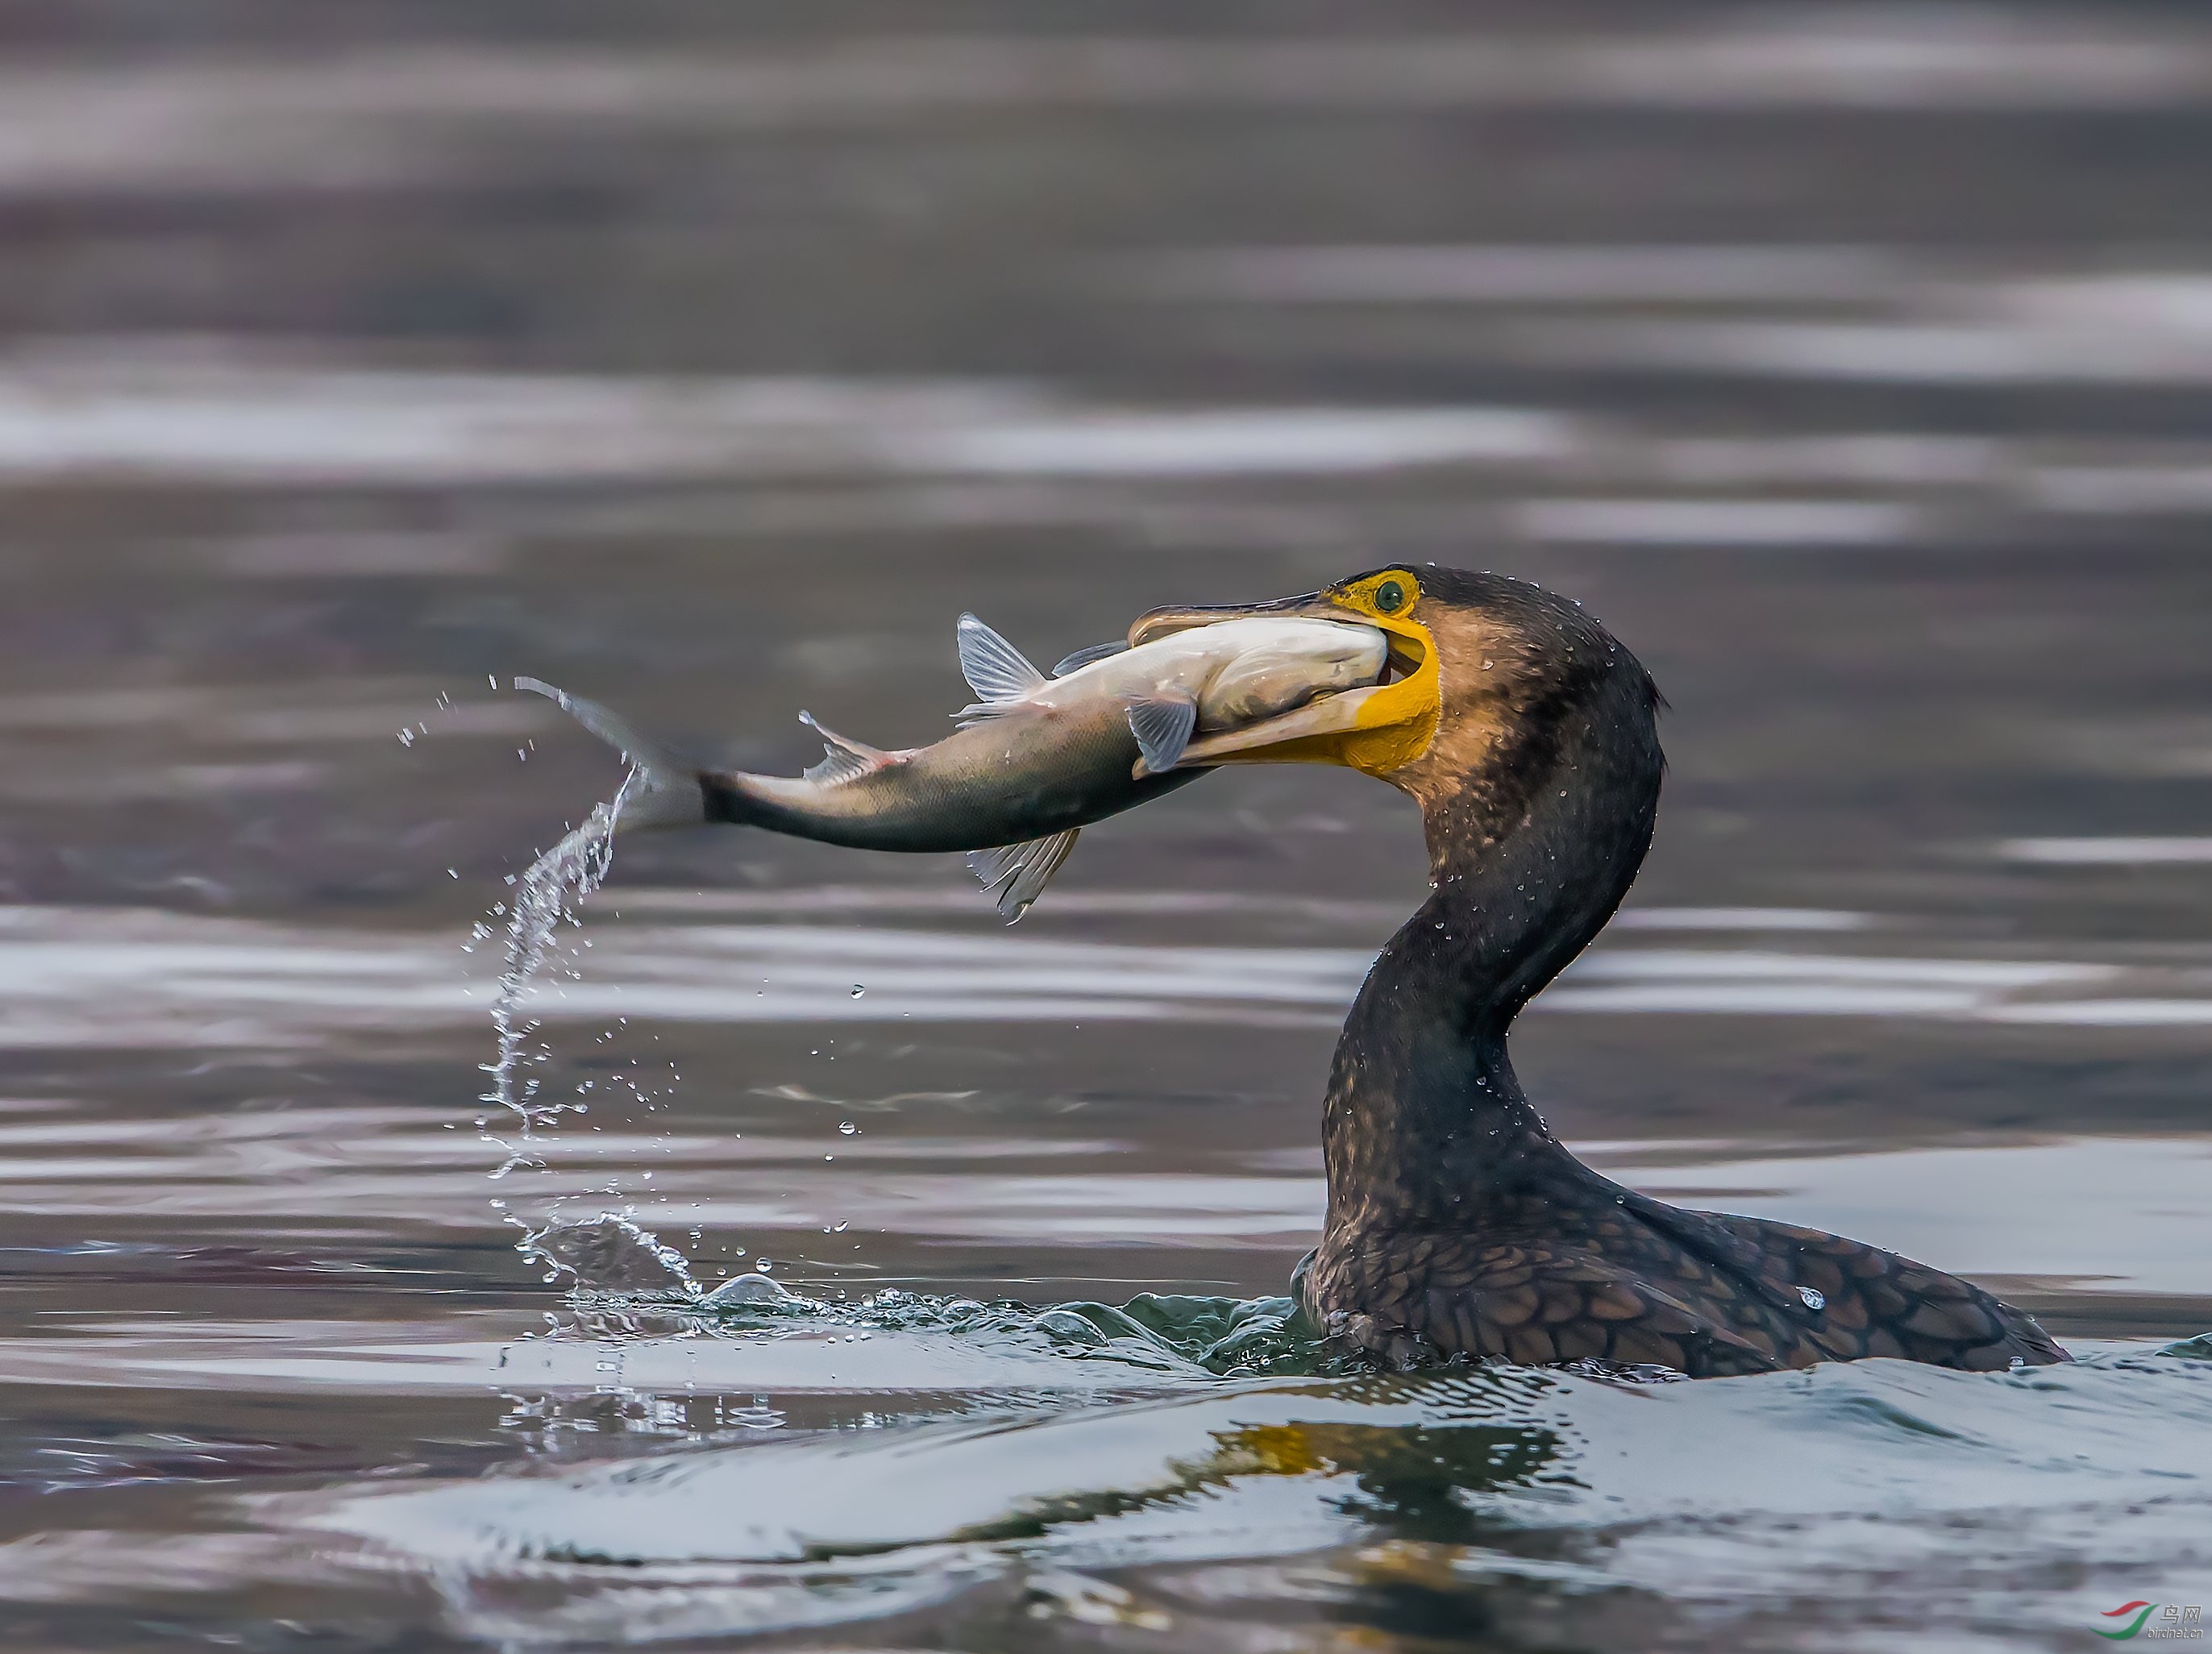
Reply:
x=1162, y=725
x=843, y=759
x=1017, y=873
x=994, y=668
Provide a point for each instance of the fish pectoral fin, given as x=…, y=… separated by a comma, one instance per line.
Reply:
x=842, y=759
x=1018, y=873
x=994, y=668
x=1162, y=726
x=1083, y=658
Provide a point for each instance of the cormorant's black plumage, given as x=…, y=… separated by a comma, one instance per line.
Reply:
x=1456, y=1222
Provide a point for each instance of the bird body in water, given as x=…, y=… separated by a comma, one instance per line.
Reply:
x=1456, y=1223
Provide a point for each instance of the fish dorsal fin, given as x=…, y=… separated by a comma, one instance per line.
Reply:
x=1091, y=656
x=842, y=760
x=994, y=668
x=1162, y=726
x=1018, y=873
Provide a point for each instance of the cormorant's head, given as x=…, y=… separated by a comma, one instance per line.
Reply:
x=1489, y=678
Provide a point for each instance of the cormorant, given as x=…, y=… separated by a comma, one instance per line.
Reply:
x=1456, y=1223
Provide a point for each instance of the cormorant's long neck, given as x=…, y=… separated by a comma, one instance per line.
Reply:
x=1424, y=1117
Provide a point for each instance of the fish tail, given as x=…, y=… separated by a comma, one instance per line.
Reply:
x=667, y=790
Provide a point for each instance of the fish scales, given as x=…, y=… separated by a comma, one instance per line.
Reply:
x=1027, y=775
x=1037, y=757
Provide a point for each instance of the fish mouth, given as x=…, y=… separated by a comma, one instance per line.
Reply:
x=1374, y=728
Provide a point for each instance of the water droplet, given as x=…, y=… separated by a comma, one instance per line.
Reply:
x=1814, y=1300
x=860, y=991
x=846, y=1127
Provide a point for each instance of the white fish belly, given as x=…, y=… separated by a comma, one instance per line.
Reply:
x=1235, y=670
x=1272, y=678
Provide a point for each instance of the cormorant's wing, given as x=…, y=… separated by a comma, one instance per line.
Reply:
x=1859, y=1300
x=1640, y=1282
x=1538, y=1302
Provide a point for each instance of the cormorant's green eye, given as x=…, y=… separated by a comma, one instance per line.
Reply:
x=1389, y=598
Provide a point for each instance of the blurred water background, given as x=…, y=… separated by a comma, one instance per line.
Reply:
x=1853, y=362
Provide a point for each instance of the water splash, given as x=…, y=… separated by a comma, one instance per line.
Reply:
x=609, y=1253
x=1186, y=1335
x=545, y=893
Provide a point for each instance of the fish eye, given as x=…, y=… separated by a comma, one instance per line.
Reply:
x=1389, y=598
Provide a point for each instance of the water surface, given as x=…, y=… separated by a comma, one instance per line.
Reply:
x=1849, y=363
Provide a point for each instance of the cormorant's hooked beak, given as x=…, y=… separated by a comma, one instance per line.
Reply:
x=1374, y=730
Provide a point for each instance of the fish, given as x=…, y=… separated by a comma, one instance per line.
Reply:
x=1037, y=756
